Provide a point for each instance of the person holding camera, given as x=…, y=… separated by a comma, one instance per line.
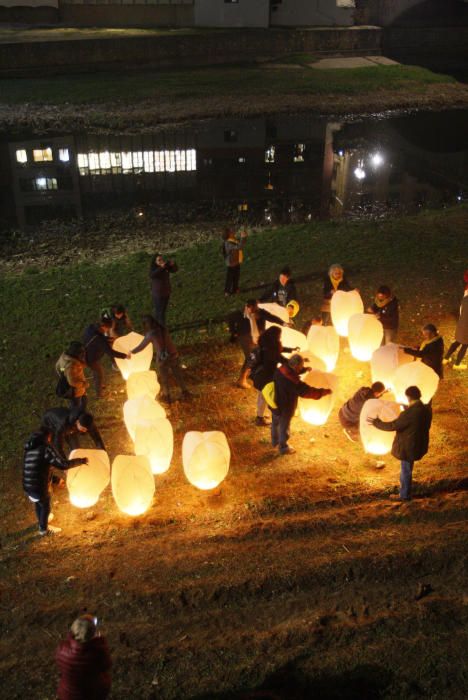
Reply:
x=160, y=272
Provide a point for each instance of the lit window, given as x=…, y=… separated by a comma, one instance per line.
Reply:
x=104, y=160
x=299, y=150
x=93, y=161
x=21, y=156
x=83, y=165
x=191, y=159
x=129, y=162
x=64, y=155
x=116, y=162
x=42, y=155
x=148, y=161
x=169, y=160
x=127, y=166
x=137, y=160
x=159, y=161
x=241, y=159
x=45, y=183
x=270, y=154
x=346, y=3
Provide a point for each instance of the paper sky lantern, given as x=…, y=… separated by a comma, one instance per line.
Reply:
x=311, y=360
x=313, y=411
x=141, y=410
x=365, y=333
x=343, y=306
x=276, y=310
x=384, y=362
x=155, y=440
x=132, y=484
x=324, y=342
x=142, y=384
x=375, y=441
x=140, y=362
x=415, y=374
x=206, y=458
x=86, y=483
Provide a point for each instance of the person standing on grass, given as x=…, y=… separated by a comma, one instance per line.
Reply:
x=334, y=281
x=385, y=308
x=160, y=272
x=39, y=457
x=431, y=350
x=461, y=338
x=96, y=346
x=71, y=364
x=411, y=441
x=233, y=254
x=66, y=426
x=283, y=291
x=350, y=412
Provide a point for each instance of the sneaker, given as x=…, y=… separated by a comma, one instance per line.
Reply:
x=461, y=365
x=380, y=464
x=348, y=435
x=288, y=451
x=51, y=530
x=260, y=420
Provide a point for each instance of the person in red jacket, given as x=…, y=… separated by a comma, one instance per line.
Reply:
x=84, y=662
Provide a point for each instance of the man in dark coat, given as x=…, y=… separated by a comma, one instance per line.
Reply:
x=412, y=437
x=350, y=412
x=66, y=426
x=385, y=308
x=283, y=290
x=97, y=344
x=160, y=271
x=288, y=388
x=39, y=457
x=431, y=350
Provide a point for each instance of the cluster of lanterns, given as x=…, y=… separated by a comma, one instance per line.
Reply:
x=206, y=456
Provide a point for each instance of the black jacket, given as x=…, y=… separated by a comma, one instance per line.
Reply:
x=160, y=279
x=288, y=388
x=96, y=345
x=350, y=411
x=412, y=431
x=39, y=456
x=263, y=363
x=344, y=286
x=431, y=354
x=239, y=325
x=62, y=423
x=388, y=315
x=281, y=294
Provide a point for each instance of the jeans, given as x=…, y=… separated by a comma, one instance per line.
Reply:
x=461, y=352
x=160, y=307
x=232, y=279
x=406, y=476
x=42, y=506
x=98, y=376
x=261, y=405
x=280, y=429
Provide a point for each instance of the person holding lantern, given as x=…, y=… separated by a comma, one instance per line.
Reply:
x=97, y=345
x=70, y=365
x=386, y=309
x=283, y=291
x=334, y=281
x=160, y=272
x=66, y=426
x=233, y=254
x=350, y=412
x=431, y=350
x=461, y=338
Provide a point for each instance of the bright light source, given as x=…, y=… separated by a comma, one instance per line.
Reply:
x=41, y=183
x=341, y=153
x=377, y=160
x=21, y=156
x=360, y=173
x=64, y=155
x=459, y=197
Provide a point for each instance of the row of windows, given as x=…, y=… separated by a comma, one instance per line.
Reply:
x=125, y=162
x=45, y=184
x=42, y=155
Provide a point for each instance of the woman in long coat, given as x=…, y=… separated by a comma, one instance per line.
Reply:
x=461, y=338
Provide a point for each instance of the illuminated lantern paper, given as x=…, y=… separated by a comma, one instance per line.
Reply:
x=132, y=484
x=375, y=441
x=275, y=310
x=206, y=458
x=324, y=342
x=365, y=333
x=140, y=362
x=86, y=482
x=310, y=360
x=142, y=384
x=314, y=411
x=385, y=360
x=344, y=305
x=141, y=410
x=415, y=374
x=156, y=441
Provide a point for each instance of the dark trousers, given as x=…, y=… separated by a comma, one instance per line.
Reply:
x=406, y=478
x=280, y=429
x=78, y=406
x=171, y=365
x=42, y=507
x=160, y=307
x=461, y=352
x=232, y=279
x=98, y=376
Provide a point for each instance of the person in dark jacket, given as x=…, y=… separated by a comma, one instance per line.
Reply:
x=96, y=346
x=461, y=338
x=263, y=361
x=246, y=326
x=160, y=272
x=334, y=281
x=84, y=663
x=411, y=441
x=431, y=350
x=283, y=289
x=167, y=357
x=385, y=308
x=65, y=426
x=350, y=412
x=233, y=253
x=39, y=457
x=288, y=388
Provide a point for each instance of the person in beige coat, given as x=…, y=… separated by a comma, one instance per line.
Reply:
x=72, y=363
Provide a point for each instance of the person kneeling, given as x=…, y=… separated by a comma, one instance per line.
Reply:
x=350, y=412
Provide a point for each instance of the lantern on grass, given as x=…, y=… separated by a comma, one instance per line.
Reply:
x=365, y=333
x=344, y=305
x=139, y=362
x=86, y=482
x=276, y=310
x=415, y=374
x=141, y=410
x=132, y=484
x=375, y=441
x=315, y=411
x=312, y=361
x=155, y=440
x=143, y=384
x=385, y=360
x=324, y=342
x=206, y=458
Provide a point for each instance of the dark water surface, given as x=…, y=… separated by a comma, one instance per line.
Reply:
x=267, y=169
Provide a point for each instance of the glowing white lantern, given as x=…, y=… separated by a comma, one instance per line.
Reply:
x=86, y=482
x=384, y=362
x=375, y=441
x=275, y=310
x=141, y=410
x=132, y=484
x=365, y=333
x=140, y=362
x=310, y=360
x=206, y=458
x=156, y=441
x=344, y=305
x=324, y=342
x=415, y=374
x=314, y=411
x=143, y=384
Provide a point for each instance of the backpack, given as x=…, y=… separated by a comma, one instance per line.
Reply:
x=63, y=389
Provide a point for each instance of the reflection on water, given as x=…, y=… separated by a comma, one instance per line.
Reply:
x=274, y=169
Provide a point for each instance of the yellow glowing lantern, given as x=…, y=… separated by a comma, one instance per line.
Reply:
x=132, y=484
x=344, y=305
x=324, y=342
x=143, y=384
x=312, y=361
x=375, y=441
x=365, y=333
x=384, y=362
x=206, y=458
x=276, y=310
x=141, y=410
x=314, y=411
x=140, y=362
x=415, y=374
x=155, y=440
x=86, y=482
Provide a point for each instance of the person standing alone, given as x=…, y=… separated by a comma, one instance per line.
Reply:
x=233, y=256
x=160, y=272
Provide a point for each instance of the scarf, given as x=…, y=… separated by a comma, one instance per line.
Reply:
x=425, y=343
x=384, y=302
x=253, y=326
